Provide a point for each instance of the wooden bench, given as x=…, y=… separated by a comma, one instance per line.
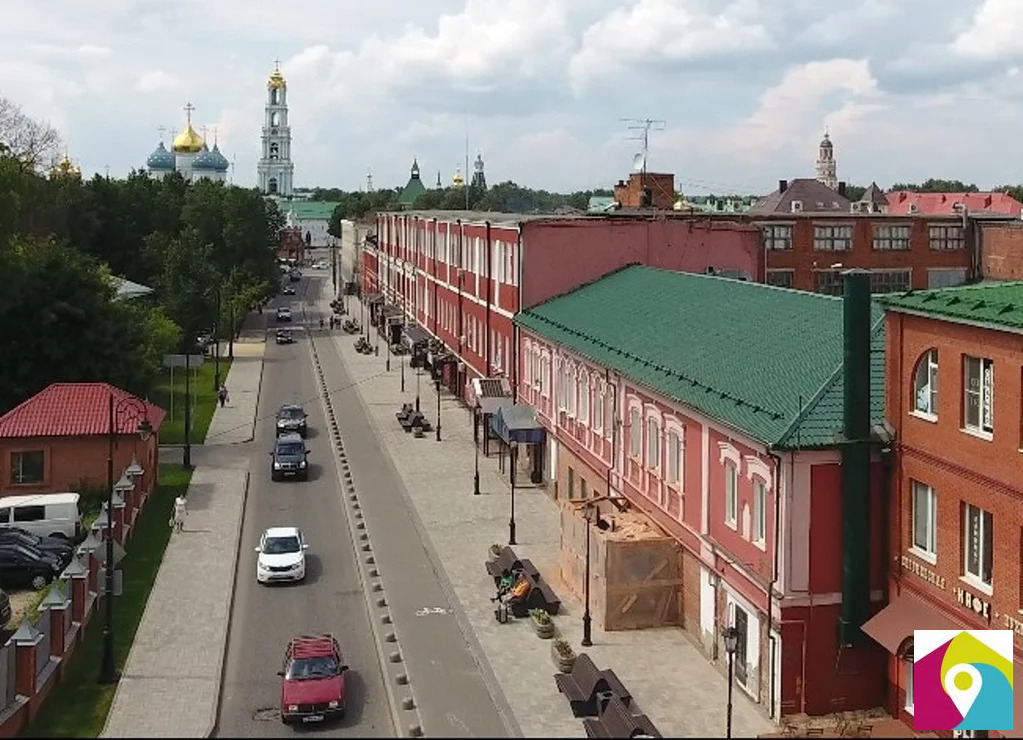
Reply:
x=507, y=564
x=539, y=596
x=615, y=720
x=583, y=685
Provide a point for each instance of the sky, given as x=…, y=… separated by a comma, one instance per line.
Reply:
x=907, y=89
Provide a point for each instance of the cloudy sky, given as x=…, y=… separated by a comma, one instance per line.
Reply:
x=909, y=89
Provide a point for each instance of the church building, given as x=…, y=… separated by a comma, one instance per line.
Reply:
x=189, y=155
x=275, y=170
x=827, y=167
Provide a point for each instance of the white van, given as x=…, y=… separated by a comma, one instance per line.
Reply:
x=43, y=514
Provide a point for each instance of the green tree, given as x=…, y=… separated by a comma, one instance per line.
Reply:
x=933, y=185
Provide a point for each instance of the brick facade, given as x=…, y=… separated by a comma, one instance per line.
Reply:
x=659, y=188
x=1001, y=250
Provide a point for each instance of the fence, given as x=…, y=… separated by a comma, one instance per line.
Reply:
x=8, y=674
x=42, y=626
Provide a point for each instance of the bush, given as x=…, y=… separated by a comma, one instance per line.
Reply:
x=562, y=648
x=540, y=615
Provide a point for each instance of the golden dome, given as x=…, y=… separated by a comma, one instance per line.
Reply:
x=458, y=181
x=65, y=169
x=276, y=81
x=188, y=141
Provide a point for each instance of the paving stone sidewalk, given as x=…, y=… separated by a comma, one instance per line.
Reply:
x=236, y=421
x=672, y=683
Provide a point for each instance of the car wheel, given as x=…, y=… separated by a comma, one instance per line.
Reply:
x=38, y=582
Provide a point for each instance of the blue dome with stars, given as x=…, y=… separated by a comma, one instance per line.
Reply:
x=160, y=159
x=205, y=160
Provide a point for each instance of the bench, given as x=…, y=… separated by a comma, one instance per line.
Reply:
x=539, y=596
x=507, y=564
x=585, y=683
x=615, y=720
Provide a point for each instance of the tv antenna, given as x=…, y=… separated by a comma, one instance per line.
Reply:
x=643, y=127
x=369, y=181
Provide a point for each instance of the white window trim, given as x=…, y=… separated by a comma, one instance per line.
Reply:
x=930, y=556
x=672, y=424
x=729, y=452
x=969, y=578
x=634, y=404
x=584, y=395
x=760, y=542
x=598, y=418
x=909, y=686
x=979, y=431
x=755, y=467
x=925, y=363
x=571, y=388
x=732, y=520
x=652, y=413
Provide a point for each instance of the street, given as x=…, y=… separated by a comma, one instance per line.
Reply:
x=331, y=599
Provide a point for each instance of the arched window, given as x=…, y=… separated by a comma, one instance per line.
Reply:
x=275, y=150
x=275, y=96
x=275, y=118
x=925, y=384
x=272, y=186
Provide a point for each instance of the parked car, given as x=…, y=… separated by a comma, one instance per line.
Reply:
x=281, y=555
x=289, y=458
x=284, y=313
x=24, y=567
x=46, y=515
x=284, y=336
x=5, y=609
x=59, y=548
x=288, y=290
x=313, y=680
x=292, y=418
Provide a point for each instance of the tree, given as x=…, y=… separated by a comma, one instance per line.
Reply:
x=1015, y=191
x=187, y=285
x=932, y=185
x=32, y=143
x=854, y=192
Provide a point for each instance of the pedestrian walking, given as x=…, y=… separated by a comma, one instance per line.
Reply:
x=180, y=512
x=222, y=395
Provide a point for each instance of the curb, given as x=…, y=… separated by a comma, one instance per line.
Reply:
x=379, y=640
x=222, y=660
x=479, y=655
x=255, y=406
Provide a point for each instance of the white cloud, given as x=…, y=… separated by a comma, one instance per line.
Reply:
x=996, y=31
x=158, y=81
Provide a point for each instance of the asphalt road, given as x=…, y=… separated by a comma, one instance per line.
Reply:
x=264, y=618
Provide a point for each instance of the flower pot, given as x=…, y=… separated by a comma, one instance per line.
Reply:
x=544, y=631
x=563, y=663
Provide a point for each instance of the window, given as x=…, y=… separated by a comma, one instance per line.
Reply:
x=978, y=546
x=925, y=519
x=584, y=398
x=584, y=488
x=27, y=467
x=978, y=387
x=609, y=416
x=781, y=278
x=828, y=282
x=674, y=457
x=947, y=237
x=653, y=444
x=891, y=238
x=832, y=238
x=635, y=433
x=571, y=482
x=759, y=512
x=570, y=390
x=925, y=385
x=598, y=409
x=29, y=513
x=731, y=493
x=945, y=277
x=889, y=281
x=909, y=685
x=777, y=236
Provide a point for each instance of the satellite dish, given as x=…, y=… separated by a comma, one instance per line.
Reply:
x=638, y=162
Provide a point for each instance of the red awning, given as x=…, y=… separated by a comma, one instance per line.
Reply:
x=891, y=626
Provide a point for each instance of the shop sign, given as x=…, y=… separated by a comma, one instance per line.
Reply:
x=974, y=603
x=927, y=574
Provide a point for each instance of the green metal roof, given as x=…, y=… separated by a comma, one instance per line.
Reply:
x=762, y=360
x=411, y=191
x=311, y=210
x=998, y=305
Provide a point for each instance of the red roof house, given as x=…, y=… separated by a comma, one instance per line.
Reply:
x=58, y=439
x=905, y=202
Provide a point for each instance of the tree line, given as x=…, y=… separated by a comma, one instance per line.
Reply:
x=65, y=242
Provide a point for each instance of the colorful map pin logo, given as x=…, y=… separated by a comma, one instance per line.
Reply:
x=962, y=684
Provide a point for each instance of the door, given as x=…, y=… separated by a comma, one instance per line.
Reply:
x=742, y=626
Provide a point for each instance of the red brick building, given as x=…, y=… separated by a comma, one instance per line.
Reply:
x=695, y=401
x=292, y=246
x=954, y=368
x=646, y=190
x=1001, y=250
x=908, y=203
x=462, y=276
x=58, y=439
x=813, y=233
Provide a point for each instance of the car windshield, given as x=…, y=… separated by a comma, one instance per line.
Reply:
x=281, y=545
x=321, y=667
x=291, y=413
x=289, y=448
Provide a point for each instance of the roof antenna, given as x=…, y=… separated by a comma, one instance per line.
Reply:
x=644, y=126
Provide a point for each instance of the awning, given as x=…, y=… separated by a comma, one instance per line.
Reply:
x=489, y=392
x=413, y=335
x=516, y=422
x=391, y=312
x=375, y=298
x=1017, y=705
x=894, y=624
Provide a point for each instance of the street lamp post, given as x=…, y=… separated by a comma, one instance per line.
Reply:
x=230, y=338
x=419, y=363
x=476, y=440
x=587, y=641
x=731, y=635
x=216, y=345
x=403, y=375
x=108, y=672
x=438, y=409
x=511, y=477
x=187, y=459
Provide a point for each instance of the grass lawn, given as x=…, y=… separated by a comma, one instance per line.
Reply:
x=78, y=706
x=201, y=386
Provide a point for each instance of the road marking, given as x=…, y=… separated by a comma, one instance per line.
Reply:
x=431, y=610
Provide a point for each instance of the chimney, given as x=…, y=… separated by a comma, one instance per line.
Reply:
x=841, y=189
x=902, y=196
x=855, y=457
x=987, y=200
x=783, y=185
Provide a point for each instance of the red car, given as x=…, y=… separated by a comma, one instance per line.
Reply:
x=313, y=680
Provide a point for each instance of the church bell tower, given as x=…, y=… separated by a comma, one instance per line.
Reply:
x=275, y=169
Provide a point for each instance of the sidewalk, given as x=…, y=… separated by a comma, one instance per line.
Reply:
x=670, y=680
x=236, y=421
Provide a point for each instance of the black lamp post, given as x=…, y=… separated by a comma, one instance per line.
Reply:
x=108, y=672
x=731, y=635
x=587, y=641
x=476, y=444
x=230, y=339
x=187, y=459
x=419, y=364
x=216, y=345
x=511, y=478
x=438, y=408
x=403, y=375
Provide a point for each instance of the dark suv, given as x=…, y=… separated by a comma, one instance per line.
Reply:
x=22, y=566
x=291, y=418
x=289, y=458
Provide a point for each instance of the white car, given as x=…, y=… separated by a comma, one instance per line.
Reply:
x=281, y=555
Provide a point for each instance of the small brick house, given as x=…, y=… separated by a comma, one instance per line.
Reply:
x=955, y=369
x=58, y=439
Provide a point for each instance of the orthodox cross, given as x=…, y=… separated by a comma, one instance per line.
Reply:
x=277, y=65
x=214, y=128
x=188, y=112
x=163, y=131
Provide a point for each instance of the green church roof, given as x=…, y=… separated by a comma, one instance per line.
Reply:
x=410, y=192
x=997, y=305
x=310, y=210
x=762, y=360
